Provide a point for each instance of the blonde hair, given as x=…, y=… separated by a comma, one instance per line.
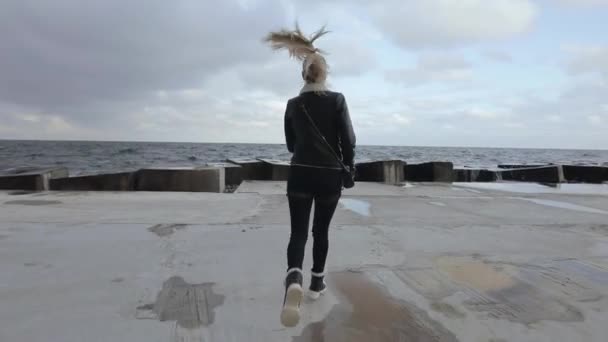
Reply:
x=300, y=47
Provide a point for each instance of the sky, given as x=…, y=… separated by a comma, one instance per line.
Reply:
x=488, y=73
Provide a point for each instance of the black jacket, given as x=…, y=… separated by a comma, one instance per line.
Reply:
x=330, y=113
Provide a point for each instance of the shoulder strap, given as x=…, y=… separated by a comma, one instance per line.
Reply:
x=320, y=135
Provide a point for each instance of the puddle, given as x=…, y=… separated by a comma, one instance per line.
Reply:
x=367, y=312
x=476, y=274
x=497, y=290
x=439, y=204
x=360, y=207
x=190, y=305
x=582, y=269
x=534, y=188
x=33, y=202
x=563, y=205
x=164, y=230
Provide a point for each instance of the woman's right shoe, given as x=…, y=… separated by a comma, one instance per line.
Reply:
x=290, y=315
x=317, y=285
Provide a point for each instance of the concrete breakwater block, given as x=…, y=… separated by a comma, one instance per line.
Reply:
x=430, y=172
x=475, y=175
x=279, y=169
x=585, y=174
x=385, y=171
x=233, y=172
x=30, y=178
x=253, y=169
x=104, y=182
x=545, y=174
x=521, y=166
x=203, y=179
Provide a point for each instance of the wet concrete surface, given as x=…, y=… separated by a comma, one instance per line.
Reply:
x=367, y=312
x=434, y=263
x=190, y=305
x=164, y=230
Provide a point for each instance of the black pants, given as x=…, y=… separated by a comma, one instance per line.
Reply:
x=305, y=187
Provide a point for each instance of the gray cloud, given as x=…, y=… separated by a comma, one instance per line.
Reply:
x=432, y=23
x=588, y=60
x=433, y=67
x=66, y=53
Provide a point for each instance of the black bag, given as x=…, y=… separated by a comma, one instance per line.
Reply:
x=348, y=175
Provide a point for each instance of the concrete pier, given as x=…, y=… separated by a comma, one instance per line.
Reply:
x=425, y=262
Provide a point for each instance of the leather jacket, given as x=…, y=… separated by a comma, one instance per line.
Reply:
x=330, y=114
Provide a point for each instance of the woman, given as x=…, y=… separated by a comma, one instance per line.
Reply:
x=319, y=133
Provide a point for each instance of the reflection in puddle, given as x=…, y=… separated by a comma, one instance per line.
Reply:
x=580, y=268
x=369, y=313
x=357, y=206
x=563, y=205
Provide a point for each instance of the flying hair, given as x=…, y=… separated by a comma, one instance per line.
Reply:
x=302, y=48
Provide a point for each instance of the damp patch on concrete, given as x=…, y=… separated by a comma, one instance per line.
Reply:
x=447, y=309
x=118, y=280
x=512, y=292
x=164, y=230
x=32, y=202
x=190, y=305
x=357, y=206
x=367, y=312
x=578, y=268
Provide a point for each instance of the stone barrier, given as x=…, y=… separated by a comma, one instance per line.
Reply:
x=585, y=174
x=203, y=179
x=521, y=166
x=545, y=174
x=279, y=170
x=430, y=172
x=233, y=173
x=385, y=171
x=253, y=169
x=103, y=182
x=475, y=175
x=30, y=178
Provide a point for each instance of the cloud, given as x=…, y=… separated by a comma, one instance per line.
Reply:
x=498, y=56
x=588, y=60
x=432, y=23
x=115, y=50
x=433, y=67
x=584, y=3
x=595, y=119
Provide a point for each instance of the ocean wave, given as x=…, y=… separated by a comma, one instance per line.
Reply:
x=129, y=150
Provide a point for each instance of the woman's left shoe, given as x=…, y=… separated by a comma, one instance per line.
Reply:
x=290, y=315
x=317, y=285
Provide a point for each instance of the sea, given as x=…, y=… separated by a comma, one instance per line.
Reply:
x=91, y=157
